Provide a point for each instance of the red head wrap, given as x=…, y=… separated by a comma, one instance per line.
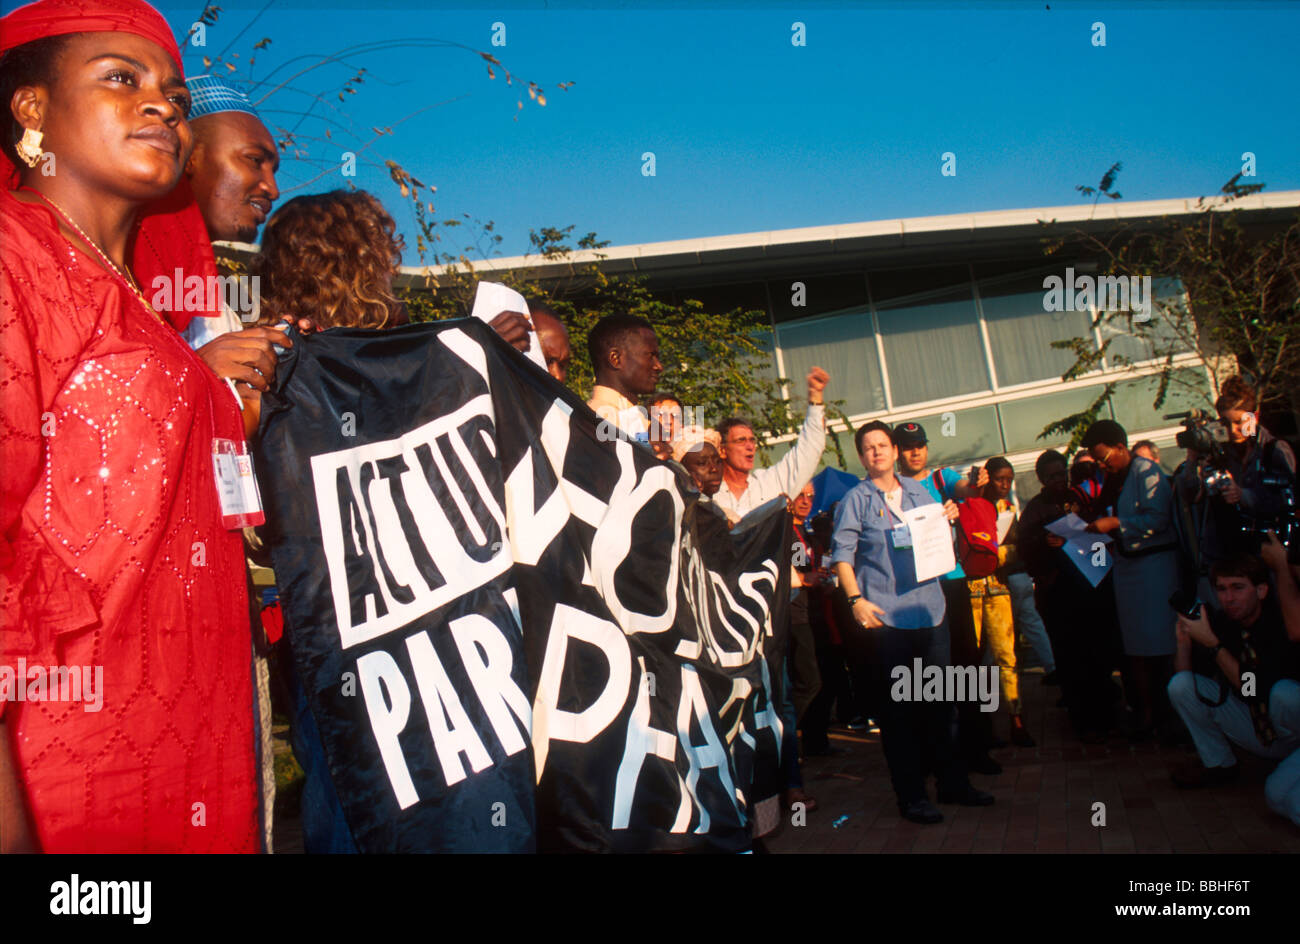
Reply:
x=172, y=235
x=61, y=17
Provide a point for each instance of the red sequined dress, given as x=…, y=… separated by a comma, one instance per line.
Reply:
x=114, y=556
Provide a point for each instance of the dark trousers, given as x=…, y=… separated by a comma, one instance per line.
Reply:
x=916, y=735
x=1083, y=630
x=835, y=688
x=802, y=656
x=974, y=727
x=856, y=701
x=832, y=670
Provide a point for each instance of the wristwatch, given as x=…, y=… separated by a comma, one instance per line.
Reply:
x=1215, y=651
x=855, y=598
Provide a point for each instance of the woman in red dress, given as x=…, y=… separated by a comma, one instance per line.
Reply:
x=114, y=554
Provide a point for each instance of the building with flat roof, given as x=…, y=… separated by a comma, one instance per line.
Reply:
x=938, y=319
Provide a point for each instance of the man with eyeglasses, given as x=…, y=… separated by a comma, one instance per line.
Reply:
x=743, y=487
x=1236, y=677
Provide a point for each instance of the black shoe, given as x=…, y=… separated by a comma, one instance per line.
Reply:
x=984, y=765
x=968, y=797
x=857, y=724
x=920, y=811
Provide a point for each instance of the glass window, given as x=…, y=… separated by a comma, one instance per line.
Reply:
x=766, y=370
x=1027, y=486
x=957, y=437
x=1021, y=331
x=844, y=345
x=1165, y=331
x=1188, y=387
x=1023, y=420
x=932, y=344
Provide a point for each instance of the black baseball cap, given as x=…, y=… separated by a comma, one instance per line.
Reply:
x=909, y=435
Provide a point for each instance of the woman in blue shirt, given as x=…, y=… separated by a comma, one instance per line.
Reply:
x=905, y=618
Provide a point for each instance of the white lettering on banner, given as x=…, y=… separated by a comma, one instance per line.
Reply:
x=378, y=671
x=749, y=587
x=489, y=673
x=740, y=689
x=484, y=649
x=531, y=529
x=768, y=719
x=710, y=755
x=450, y=727
x=613, y=540
x=695, y=579
x=644, y=740
x=747, y=640
x=393, y=551
x=411, y=524
x=553, y=723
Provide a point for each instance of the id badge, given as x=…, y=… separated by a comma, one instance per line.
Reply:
x=241, y=502
x=901, y=537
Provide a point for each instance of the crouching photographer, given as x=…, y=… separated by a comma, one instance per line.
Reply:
x=1237, y=483
x=1237, y=679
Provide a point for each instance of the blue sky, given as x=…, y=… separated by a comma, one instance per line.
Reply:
x=753, y=133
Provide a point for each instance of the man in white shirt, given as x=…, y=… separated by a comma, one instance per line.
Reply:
x=625, y=357
x=743, y=487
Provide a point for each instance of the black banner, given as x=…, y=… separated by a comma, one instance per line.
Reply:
x=513, y=635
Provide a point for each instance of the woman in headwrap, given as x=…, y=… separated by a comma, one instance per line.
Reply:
x=697, y=450
x=115, y=555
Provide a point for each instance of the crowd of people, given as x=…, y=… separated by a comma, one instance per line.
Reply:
x=117, y=551
x=859, y=612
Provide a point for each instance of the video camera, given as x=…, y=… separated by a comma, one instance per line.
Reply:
x=1285, y=523
x=1204, y=433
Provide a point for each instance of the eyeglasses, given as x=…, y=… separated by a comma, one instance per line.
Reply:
x=742, y=441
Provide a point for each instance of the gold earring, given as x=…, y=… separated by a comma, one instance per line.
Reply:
x=29, y=148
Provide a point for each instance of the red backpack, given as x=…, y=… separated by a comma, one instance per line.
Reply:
x=977, y=537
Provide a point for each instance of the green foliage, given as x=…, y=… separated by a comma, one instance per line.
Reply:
x=1076, y=424
x=715, y=363
x=1240, y=311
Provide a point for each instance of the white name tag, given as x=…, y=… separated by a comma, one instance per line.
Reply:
x=241, y=502
x=901, y=537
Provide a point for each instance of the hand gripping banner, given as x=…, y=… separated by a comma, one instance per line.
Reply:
x=514, y=633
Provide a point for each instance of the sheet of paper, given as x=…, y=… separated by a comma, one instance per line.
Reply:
x=931, y=541
x=1004, y=524
x=492, y=298
x=1068, y=526
x=1091, y=554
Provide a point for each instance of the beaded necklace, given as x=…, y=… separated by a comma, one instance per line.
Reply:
x=125, y=276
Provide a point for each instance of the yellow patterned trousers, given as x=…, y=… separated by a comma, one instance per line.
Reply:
x=990, y=603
